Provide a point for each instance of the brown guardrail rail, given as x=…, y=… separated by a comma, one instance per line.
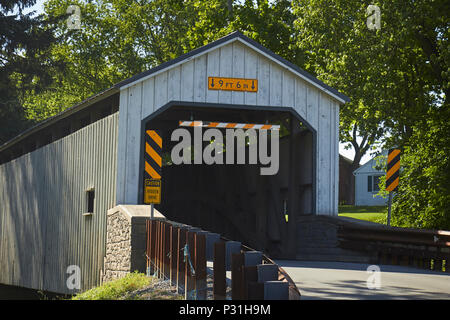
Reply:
x=177, y=252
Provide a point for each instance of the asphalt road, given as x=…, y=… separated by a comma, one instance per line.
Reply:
x=337, y=280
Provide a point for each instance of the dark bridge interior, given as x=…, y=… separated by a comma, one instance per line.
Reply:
x=235, y=200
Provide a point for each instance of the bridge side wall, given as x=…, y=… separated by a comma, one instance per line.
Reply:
x=43, y=196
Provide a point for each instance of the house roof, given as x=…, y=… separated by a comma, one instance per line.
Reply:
x=368, y=167
x=349, y=161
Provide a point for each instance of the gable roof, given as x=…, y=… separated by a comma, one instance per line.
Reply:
x=368, y=167
x=236, y=36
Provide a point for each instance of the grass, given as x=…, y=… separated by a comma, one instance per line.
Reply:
x=116, y=289
x=376, y=214
x=134, y=286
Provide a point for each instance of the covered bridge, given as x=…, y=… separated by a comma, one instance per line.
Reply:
x=59, y=178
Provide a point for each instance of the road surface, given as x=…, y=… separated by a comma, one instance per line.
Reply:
x=338, y=280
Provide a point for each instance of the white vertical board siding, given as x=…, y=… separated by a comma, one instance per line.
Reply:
x=134, y=139
x=226, y=70
x=300, y=98
x=263, y=94
x=187, y=82
x=174, y=84
x=336, y=157
x=237, y=97
x=148, y=96
x=200, y=79
x=213, y=70
x=325, y=172
x=277, y=87
x=43, y=197
x=288, y=90
x=251, y=72
x=122, y=145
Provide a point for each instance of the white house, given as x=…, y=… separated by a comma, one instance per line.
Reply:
x=366, y=183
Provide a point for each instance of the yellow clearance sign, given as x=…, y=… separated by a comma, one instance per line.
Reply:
x=232, y=84
x=152, y=191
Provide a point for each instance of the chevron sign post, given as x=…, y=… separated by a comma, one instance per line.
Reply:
x=392, y=177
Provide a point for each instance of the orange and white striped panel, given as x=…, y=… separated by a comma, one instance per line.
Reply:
x=228, y=125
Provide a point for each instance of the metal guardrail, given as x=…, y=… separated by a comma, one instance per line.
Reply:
x=427, y=249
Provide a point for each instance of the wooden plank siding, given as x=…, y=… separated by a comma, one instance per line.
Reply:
x=277, y=86
x=43, y=198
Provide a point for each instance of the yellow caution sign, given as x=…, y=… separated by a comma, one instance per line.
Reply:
x=152, y=191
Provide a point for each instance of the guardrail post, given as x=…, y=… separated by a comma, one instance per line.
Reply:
x=252, y=258
x=276, y=290
x=157, y=247
x=211, y=239
x=250, y=274
x=256, y=291
x=200, y=265
x=230, y=248
x=273, y=289
x=162, y=248
x=219, y=268
x=167, y=240
x=237, y=275
x=180, y=260
x=153, y=247
x=147, y=247
x=253, y=290
x=267, y=272
x=189, y=293
x=173, y=254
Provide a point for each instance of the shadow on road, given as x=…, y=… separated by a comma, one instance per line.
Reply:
x=336, y=280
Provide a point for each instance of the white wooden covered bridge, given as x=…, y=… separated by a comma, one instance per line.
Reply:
x=59, y=178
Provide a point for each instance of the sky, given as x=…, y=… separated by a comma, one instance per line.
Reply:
x=351, y=153
x=39, y=8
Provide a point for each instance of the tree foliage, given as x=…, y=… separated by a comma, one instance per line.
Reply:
x=397, y=76
x=24, y=64
x=120, y=38
x=423, y=199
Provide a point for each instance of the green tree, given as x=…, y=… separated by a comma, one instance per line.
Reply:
x=423, y=198
x=24, y=63
x=120, y=38
x=397, y=77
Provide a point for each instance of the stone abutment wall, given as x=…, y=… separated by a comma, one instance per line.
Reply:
x=126, y=240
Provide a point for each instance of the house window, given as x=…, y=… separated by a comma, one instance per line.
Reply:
x=372, y=183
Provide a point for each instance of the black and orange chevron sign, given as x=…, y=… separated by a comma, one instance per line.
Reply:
x=393, y=168
x=153, y=166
